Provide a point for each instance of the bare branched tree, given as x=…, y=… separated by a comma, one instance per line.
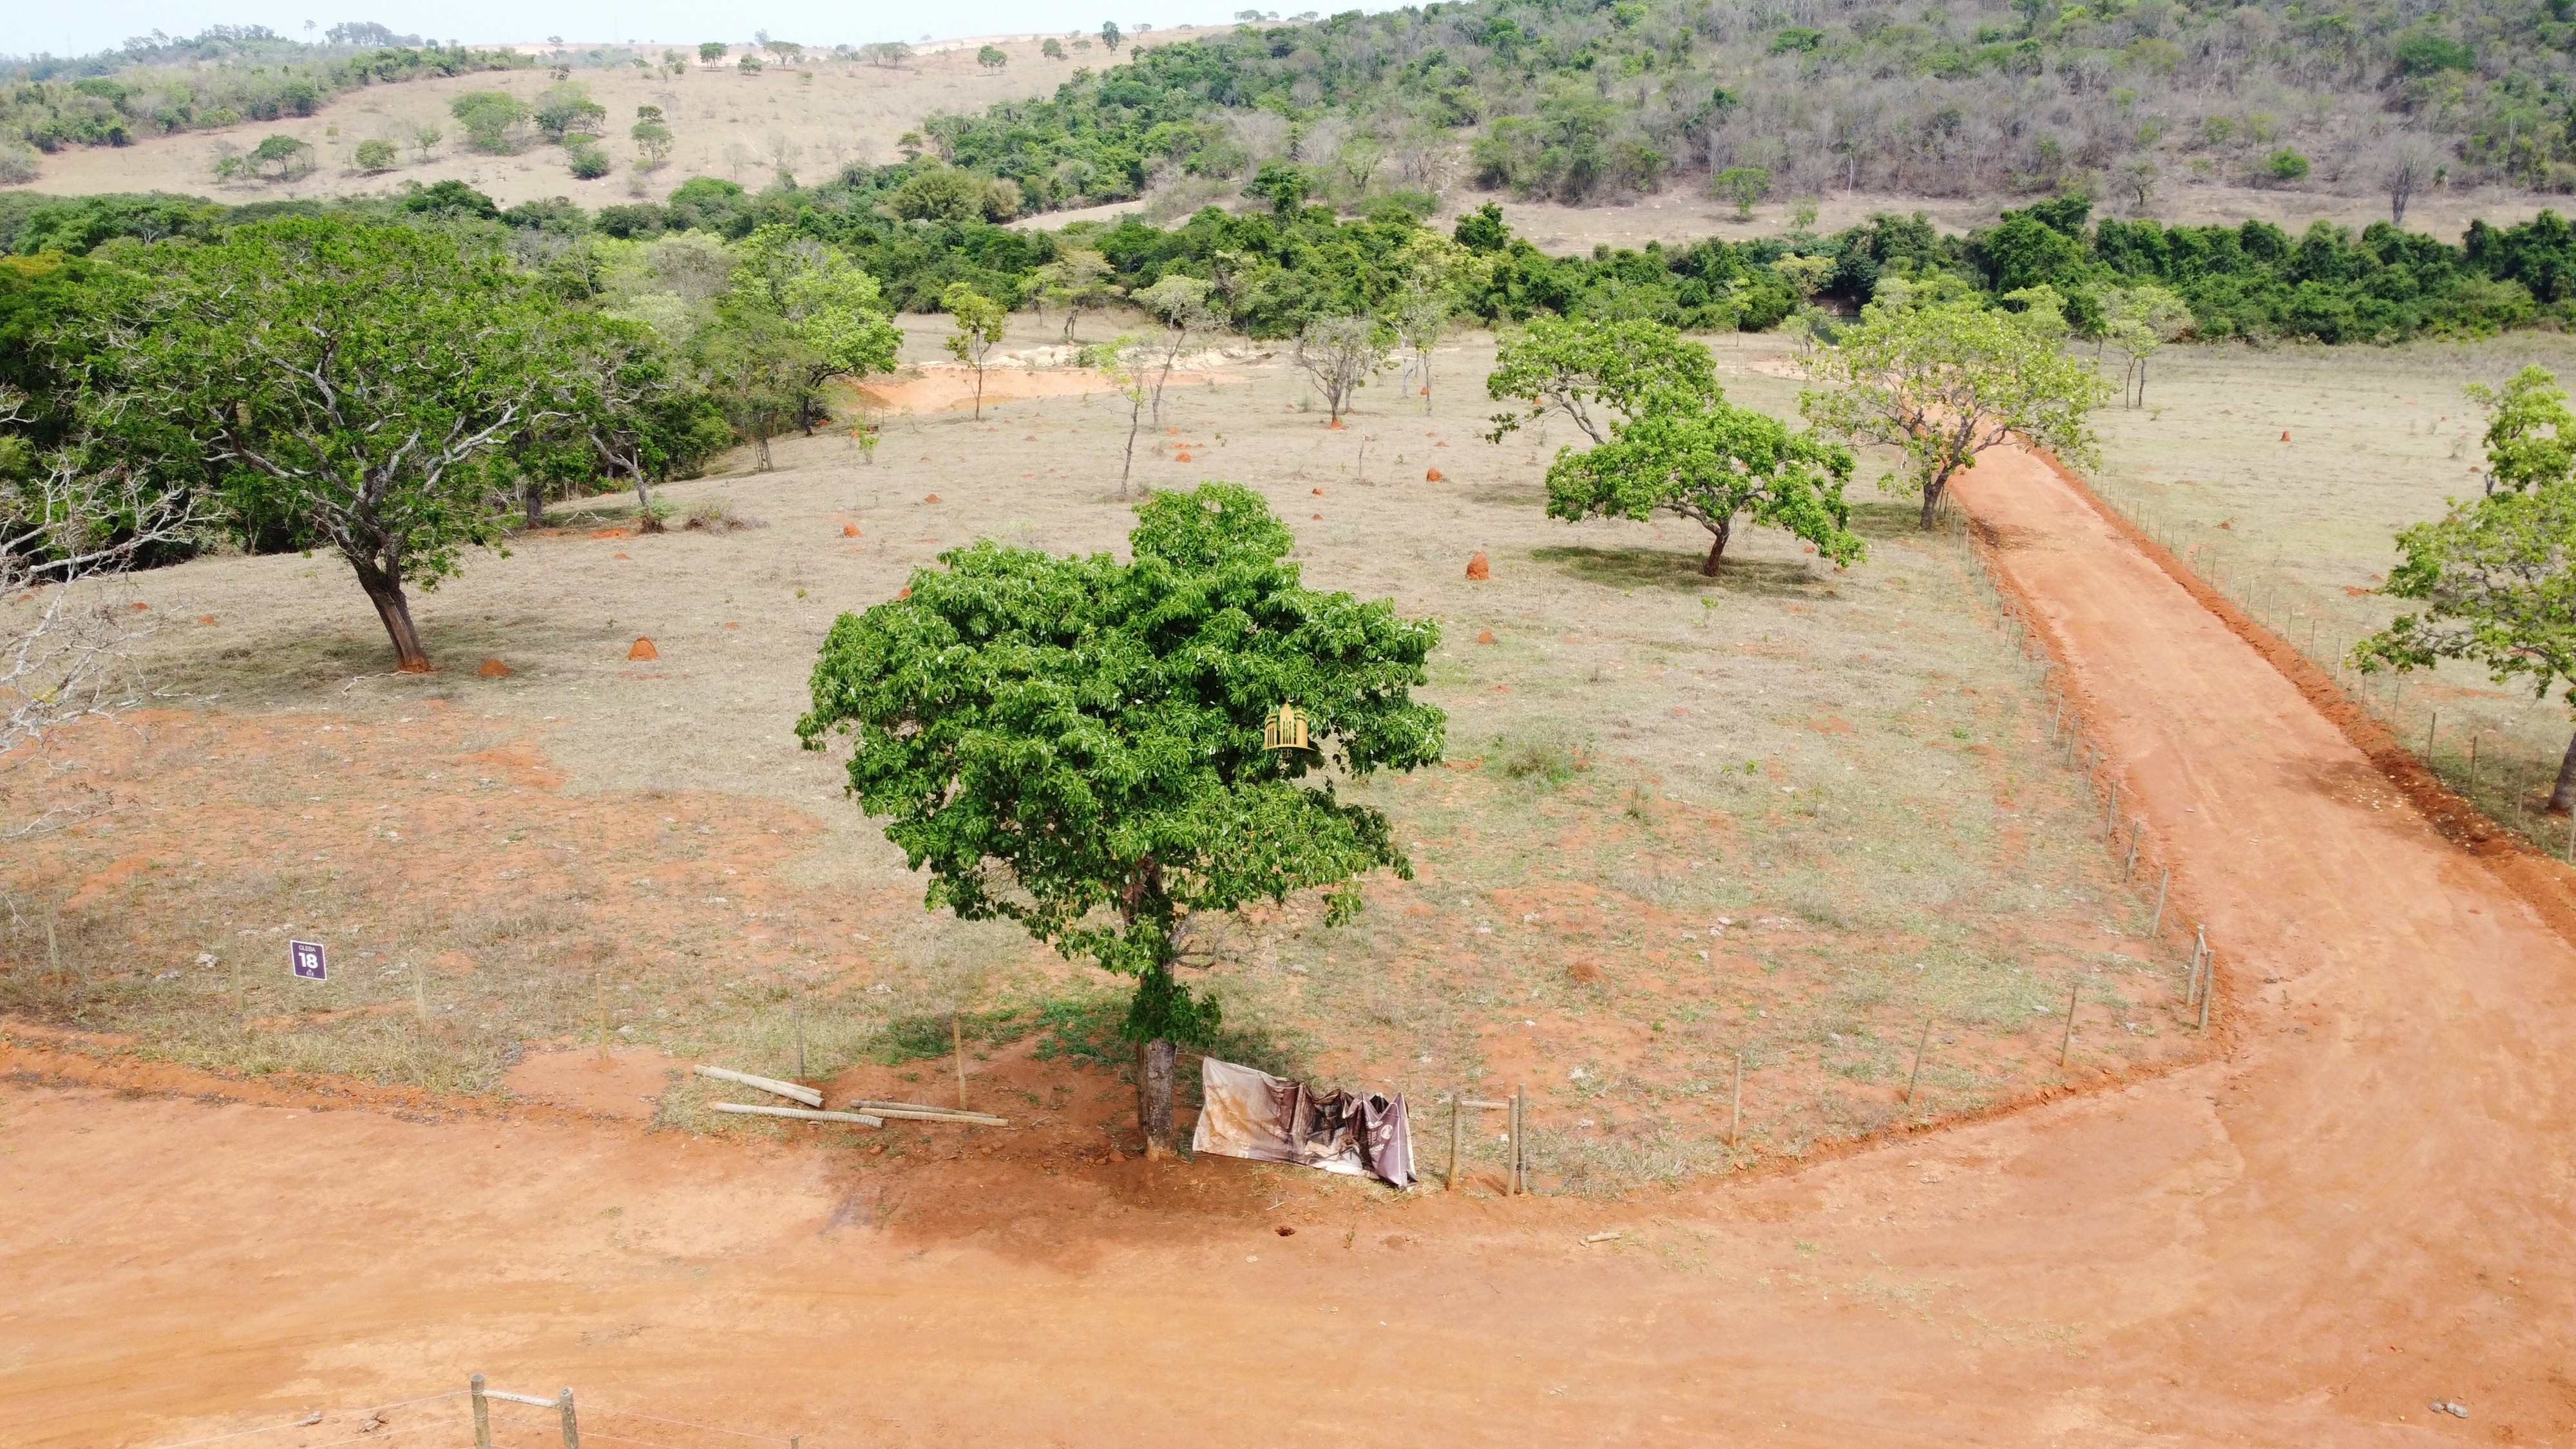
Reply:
x=1341, y=354
x=65, y=648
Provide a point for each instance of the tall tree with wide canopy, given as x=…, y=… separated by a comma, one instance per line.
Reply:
x=1945, y=383
x=336, y=384
x=1667, y=439
x=831, y=312
x=1075, y=744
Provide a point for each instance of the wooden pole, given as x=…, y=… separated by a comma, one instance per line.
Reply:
x=482, y=1413
x=957, y=1041
x=796, y=1018
x=572, y=1430
x=2111, y=807
x=1916, y=1075
x=2163, y=880
x=1735, y=1123
x=1457, y=1130
x=2066, y=1043
x=601, y=982
x=1520, y=1139
x=2473, y=765
x=2432, y=731
x=419, y=993
x=2130, y=869
x=2208, y=988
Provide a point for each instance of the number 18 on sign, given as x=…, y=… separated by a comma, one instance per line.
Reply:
x=305, y=959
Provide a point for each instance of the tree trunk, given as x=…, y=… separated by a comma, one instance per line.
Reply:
x=1717, y=533
x=979, y=392
x=532, y=498
x=762, y=443
x=1932, y=500
x=2564, y=796
x=385, y=591
x=1155, y=1062
x=1135, y=420
x=645, y=522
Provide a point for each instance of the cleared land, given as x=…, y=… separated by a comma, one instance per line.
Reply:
x=1787, y=813
x=2359, y=1209
x=2284, y=475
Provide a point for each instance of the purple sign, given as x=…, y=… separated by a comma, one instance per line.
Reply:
x=305, y=957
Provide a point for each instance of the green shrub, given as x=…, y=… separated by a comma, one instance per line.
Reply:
x=2287, y=165
x=378, y=155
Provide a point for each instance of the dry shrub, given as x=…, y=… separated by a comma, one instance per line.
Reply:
x=716, y=515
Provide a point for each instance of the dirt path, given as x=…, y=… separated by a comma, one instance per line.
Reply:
x=2364, y=1208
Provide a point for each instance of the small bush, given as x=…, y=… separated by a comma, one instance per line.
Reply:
x=588, y=161
x=2287, y=165
x=377, y=156
x=19, y=165
x=1545, y=761
x=714, y=515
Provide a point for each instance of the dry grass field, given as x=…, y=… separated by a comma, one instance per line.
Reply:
x=2284, y=474
x=725, y=124
x=1787, y=813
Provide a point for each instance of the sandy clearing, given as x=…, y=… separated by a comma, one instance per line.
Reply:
x=2363, y=1208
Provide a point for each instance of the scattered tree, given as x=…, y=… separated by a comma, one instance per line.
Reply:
x=566, y=110
x=1667, y=439
x=336, y=385
x=1944, y=383
x=376, y=155
x=652, y=137
x=1746, y=186
x=2497, y=578
x=1075, y=744
x=1181, y=304
x=1051, y=48
x=992, y=57
x=832, y=312
x=976, y=323
x=281, y=156
x=1111, y=35
x=886, y=54
x=425, y=137
x=491, y=119
x=2520, y=455
x=2286, y=166
x=2138, y=320
x=1341, y=354
x=1127, y=363
x=1076, y=281
x=711, y=51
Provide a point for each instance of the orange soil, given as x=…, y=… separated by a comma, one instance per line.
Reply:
x=2364, y=1206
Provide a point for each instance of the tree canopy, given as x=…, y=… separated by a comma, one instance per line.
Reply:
x=334, y=385
x=1075, y=744
x=1944, y=383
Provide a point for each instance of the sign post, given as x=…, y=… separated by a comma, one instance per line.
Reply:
x=304, y=958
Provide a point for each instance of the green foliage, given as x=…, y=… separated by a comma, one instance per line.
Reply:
x=565, y=109
x=1746, y=186
x=991, y=57
x=587, y=159
x=336, y=385
x=2287, y=165
x=1944, y=383
x=2520, y=455
x=1666, y=440
x=376, y=155
x=491, y=119
x=1074, y=744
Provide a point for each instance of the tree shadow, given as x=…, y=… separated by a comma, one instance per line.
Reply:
x=1885, y=520
x=289, y=667
x=1643, y=568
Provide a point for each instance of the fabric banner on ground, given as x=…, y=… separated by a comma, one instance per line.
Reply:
x=1250, y=1113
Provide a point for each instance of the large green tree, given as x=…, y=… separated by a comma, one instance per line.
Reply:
x=337, y=385
x=832, y=312
x=1075, y=744
x=2497, y=575
x=2531, y=436
x=1946, y=382
x=1667, y=440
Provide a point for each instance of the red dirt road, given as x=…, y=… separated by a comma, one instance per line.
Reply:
x=2363, y=1208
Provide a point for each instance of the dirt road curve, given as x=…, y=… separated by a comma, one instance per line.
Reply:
x=2364, y=1208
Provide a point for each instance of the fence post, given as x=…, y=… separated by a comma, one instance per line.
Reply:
x=1735, y=1124
x=2162, y=881
x=1520, y=1139
x=1457, y=1111
x=572, y=1430
x=1916, y=1075
x=482, y=1413
x=2066, y=1044
x=2208, y=989
x=2131, y=868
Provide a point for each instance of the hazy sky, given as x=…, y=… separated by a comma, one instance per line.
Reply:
x=77, y=29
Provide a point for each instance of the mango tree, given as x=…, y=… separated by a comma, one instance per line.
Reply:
x=1075, y=744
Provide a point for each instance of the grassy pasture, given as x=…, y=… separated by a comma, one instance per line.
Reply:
x=2301, y=530
x=1785, y=813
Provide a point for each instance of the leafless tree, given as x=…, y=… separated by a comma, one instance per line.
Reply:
x=2410, y=165
x=65, y=648
x=1341, y=354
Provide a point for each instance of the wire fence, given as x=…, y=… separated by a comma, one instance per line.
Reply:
x=478, y=1416
x=2498, y=749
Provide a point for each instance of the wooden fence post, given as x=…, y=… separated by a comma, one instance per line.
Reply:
x=2066, y=1044
x=1735, y=1124
x=1457, y=1114
x=2208, y=989
x=2162, y=881
x=957, y=1041
x=572, y=1430
x=1520, y=1139
x=2130, y=869
x=1916, y=1075
x=482, y=1413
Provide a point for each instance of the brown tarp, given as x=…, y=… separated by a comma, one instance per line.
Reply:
x=1250, y=1113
